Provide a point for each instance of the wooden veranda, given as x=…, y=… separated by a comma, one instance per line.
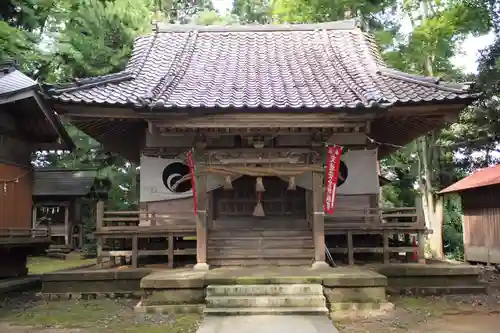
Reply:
x=392, y=231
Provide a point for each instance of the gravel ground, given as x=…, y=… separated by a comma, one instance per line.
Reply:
x=446, y=314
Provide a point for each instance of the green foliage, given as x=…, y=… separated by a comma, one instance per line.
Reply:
x=252, y=11
x=452, y=229
x=180, y=11
x=99, y=36
x=211, y=17
x=305, y=11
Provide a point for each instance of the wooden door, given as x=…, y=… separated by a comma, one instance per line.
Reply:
x=276, y=200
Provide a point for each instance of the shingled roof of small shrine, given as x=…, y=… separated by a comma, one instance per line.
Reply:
x=327, y=65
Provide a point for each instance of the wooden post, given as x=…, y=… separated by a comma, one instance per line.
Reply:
x=350, y=248
x=201, y=223
x=421, y=224
x=318, y=221
x=170, y=250
x=135, y=251
x=66, y=225
x=385, y=236
x=33, y=217
x=99, y=224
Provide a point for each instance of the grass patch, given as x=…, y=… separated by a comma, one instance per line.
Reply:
x=98, y=316
x=40, y=265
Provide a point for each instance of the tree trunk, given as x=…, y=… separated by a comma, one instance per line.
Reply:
x=432, y=205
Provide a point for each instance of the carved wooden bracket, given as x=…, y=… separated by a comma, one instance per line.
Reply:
x=266, y=156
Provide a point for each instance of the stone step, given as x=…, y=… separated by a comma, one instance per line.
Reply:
x=265, y=290
x=322, y=310
x=296, y=301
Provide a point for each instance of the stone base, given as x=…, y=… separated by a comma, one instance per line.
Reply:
x=320, y=265
x=201, y=266
x=173, y=296
x=169, y=308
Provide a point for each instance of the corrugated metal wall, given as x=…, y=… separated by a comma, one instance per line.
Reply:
x=15, y=197
x=482, y=224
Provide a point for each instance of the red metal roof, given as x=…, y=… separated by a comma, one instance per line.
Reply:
x=480, y=178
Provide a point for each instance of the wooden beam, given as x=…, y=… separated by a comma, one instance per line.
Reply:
x=267, y=120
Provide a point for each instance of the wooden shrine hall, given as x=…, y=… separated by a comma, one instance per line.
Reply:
x=249, y=111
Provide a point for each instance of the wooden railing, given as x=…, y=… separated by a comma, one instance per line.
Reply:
x=376, y=218
x=10, y=236
x=388, y=223
x=132, y=226
x=123, y=220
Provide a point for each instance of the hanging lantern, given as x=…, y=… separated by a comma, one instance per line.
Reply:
x=259, y=186
x=259, y=209
x=292, y=186
x=228, y=184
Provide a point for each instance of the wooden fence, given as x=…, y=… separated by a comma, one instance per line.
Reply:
x=132, y=226
x=389, y=223
x=13, y=236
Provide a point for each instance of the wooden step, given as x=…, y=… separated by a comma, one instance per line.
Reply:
x=271, y=253
x=258, y=233
x=261, y=243
x=245, y=262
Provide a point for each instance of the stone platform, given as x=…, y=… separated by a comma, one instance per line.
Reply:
x=431, y=279
x=338, y=277
x=253, y=290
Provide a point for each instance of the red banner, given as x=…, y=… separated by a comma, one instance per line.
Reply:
x=193, y=180
x=331, y=177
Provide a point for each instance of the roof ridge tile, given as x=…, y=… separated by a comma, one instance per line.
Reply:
x=351, y=24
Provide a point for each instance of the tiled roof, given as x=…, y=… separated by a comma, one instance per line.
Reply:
x=63, y=182
x=328, y=65
x=484, y=177
x=13, y=81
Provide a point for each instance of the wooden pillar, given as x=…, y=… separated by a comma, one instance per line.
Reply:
x=350, y=248
x=135, y=250
x=66, y=225
x=33, y=217
x=170, y=250
x=421, y=247
x=201, y=223
x=318, y=221
x=99, y=224
x=421, y=224
x=385, y=236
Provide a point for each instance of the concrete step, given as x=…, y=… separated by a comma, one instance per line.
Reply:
x=296, y=301
x=265, y=290
x=265, y=311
